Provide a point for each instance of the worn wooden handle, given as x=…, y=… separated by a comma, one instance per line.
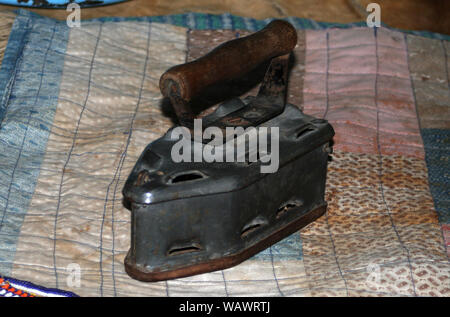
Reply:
x=229, y=60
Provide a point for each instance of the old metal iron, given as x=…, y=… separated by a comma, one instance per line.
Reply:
x=195, y=217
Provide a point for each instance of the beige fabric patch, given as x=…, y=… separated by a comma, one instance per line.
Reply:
x=108, y=111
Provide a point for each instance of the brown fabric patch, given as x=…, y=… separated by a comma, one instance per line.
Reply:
x=6, y=22
x=429, y=67
x=385, y=212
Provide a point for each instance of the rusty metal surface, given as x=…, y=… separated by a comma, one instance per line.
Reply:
x=194, y=217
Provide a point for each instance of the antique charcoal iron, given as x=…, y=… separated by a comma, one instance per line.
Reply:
x=194, y=217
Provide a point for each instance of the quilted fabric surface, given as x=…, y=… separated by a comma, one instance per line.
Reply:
x=78, y=106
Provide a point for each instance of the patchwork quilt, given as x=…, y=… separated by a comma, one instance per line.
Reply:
x=78, y=105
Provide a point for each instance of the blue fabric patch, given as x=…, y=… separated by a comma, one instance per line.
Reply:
x=437, y=156
x=289, y=248
x=29, y=87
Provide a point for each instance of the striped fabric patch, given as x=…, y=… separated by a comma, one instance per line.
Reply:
x=30, y=75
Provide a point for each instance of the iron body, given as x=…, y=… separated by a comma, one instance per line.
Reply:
x=194, y=217
x=224, y=215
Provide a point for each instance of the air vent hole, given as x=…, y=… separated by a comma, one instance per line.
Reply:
x=304, y=131
x=177, y=250
x=285, y=208
x=252, y=227
x=249, y=230
x=186, y=177
x=259, y=155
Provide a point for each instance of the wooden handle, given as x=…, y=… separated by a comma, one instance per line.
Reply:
x=229, y=60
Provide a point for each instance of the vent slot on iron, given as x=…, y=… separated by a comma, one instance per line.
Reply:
x=286, y=207
x=253, y=226
x=304, y=130
x=259, y=155
x=186, y=177
x=184, y=248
